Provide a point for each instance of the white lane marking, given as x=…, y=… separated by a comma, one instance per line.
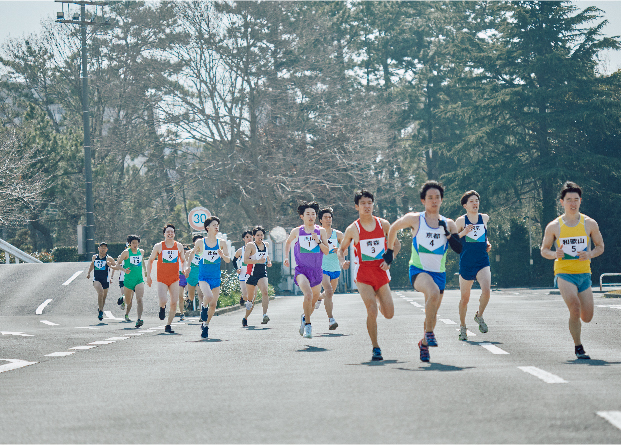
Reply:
x=117, y=338
x=49, y=323
x=469, y=332
x=493, y=349
x=543, y=375
x=611, y=306
x=83, y=347
x=17, y=334
x=447, y=321
x=109, y=316
x=86, y=327
x=416, y=304
x=73, y=277
x=13, y=364
x=613, y=417
x=60, y=354
x=39, y=310
x=101, y=342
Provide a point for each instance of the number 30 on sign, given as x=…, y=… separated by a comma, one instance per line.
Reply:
x=197, y=217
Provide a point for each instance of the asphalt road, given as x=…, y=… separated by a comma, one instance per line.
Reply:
x=519, y=383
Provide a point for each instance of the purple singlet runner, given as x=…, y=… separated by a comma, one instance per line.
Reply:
x=308, y=257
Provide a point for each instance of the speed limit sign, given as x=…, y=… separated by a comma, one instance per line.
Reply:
x=197, y=217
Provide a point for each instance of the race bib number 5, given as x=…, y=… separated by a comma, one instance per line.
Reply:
x=372, y=249
x=307, y=244
x=572, y=246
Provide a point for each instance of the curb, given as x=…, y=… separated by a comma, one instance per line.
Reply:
x=611, y=295
x=219, y=311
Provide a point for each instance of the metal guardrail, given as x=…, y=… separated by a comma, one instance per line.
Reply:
x=10, y=249
x=606, y=275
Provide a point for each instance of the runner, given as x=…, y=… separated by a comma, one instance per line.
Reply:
x=368, y=234
x=211, y=253
x=432, y=234
x=330, y=265
x=102, y=263
x=193, y=261
x=572, y=234
x=132, y=259
x=473, y=260
x=244, y=270
x=168, y=253
x=311, y=244
x=257, y=256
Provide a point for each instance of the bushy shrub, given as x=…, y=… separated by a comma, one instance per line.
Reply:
x=44, y=257
x=65, y=254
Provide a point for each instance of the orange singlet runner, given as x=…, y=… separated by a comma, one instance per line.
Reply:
x=168, y=264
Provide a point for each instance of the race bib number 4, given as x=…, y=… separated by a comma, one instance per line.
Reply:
x=372, y=249
x=432, y=242
x=307, y=244
x=170, y=256
x=477, y=234
x=572, y=246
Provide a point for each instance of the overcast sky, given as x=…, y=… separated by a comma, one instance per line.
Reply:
x=23, y=17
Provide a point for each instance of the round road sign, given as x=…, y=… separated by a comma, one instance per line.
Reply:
x=197, y=217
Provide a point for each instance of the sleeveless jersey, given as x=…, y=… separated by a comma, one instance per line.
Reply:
x=209, y=266
x=134, y=264
x=372, y=245
x=168, y=263
x=306, y=251
x=259, y=270
x=330, y=262
x=245, y=268
x=474, y=244
x=572, y=240
x=429, y=247
x=101, y=272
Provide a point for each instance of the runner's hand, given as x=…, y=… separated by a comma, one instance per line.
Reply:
x=286, y=263
x=559, y=253
x=584, y=256
x=489, y=247
x=442, y=224
x=345, y=265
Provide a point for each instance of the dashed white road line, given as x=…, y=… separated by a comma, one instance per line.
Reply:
x=447, y=321
x=493, y=349
x=83, y=347
x=109, y=316
x=614, y=417
x=543, y=375
x=60, y=354
x=468, y=332
x=86, y=327
x=73, y=277
x=101, y=342
x=39, y=310
x=17, y=334
x=414, y=303
x=13, y=364
x=49, y=323
x=117, y=338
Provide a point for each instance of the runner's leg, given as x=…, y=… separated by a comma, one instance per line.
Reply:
x=433, y=298
x=308, y=304
x=464, y=286
x=370, y=301
x=213, y=303
x=484, y=277
x=569, y=292
x=139, y=290
x=100, y=298
x=265, y=299
x=173, y=290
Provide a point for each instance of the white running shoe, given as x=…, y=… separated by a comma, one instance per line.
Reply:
x=308, y=331
x=248, y=305
x=333, y=324
x=463, y=333
x=302, y=325
x=265, y=319
x=318, y=304
x=481, y=322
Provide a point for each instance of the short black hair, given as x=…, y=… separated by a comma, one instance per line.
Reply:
x=210, y=220
x=363, y=193
x=570, y=187
x=466, y=196
x=130, y=238
x=258, y=229
x=195, y=237
x=246, y=232
x=431, y=185
x=326, y=210
x=308, y=205
x=103, y=243
x=167, y=226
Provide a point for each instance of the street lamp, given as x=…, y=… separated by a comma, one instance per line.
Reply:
x=80, y=19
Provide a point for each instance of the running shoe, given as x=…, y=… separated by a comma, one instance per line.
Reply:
x=302, y=325
x=168, y=329
x=318, y=304
x=463, y=333
x=308, y=331
x=241, y=301
x=205, y=331
x=119, y=301
x=244, y=323
x=204, y=315
x=127, y=318
x=248, y=305
x=162, y=313
x=431, y=339
x=424, y=352
x=100, y=315
x=377, y=355
x=481, y=322
x=123, y=305
x=265, y=319
x=139, y=323
x=580, y=354
x=332, y=324
x=182, y=317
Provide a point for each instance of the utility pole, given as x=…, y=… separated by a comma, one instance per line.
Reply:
x=88, y=172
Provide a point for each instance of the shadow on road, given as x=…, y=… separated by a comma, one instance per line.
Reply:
x=332, y=335
x=205, y=340
x=437, y=367
x=377, y=363
x=591, y=362
x=254, y=328
x=312, y=349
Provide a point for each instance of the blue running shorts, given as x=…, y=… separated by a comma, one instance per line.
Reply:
x=581, y=280
x=438, y=277
x=332, y=275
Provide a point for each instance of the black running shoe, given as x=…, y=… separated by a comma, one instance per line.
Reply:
x=241, y=301
x=377, y=355
x=168, y=329
x=162, y=313
x=100, y=315
x=119, y=301
x=139, y=323
x=580, y=354
x=244, y=323
x=205, y=331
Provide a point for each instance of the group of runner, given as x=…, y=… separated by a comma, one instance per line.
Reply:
x=319, y=252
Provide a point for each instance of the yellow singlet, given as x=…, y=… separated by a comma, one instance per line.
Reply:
x=572, y=240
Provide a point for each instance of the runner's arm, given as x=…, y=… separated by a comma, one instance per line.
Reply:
x=549, y=237
x=347, y=239
x=293, y=235
x=596, y=238
x=90, y=268
x=406, y=221
x=323, y=246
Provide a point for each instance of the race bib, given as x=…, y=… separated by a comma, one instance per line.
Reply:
x=135, y=260
x=431, y=242
x=210, y=256
x=196, y=260
x=372, y=249
x=100, y=264
x=572, y=246
x=307, y=244
x=170, y=256
x=333, y=244
x=477, y=234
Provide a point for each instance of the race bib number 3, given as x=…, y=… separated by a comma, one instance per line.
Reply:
x=572, y=246
x=307, y=244
x=372, y=249
x=477, y=234
x=170, y=256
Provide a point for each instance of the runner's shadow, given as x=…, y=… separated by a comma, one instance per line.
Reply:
x=169, y=333
x=478, y=342
x=592, y=362
x=206, y=340
x=437, y=367
x=254, y=328
x=101, y=324
x=332, y=335
x=312, y=349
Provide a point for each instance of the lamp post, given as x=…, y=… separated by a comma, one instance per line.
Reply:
x=88, y=172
